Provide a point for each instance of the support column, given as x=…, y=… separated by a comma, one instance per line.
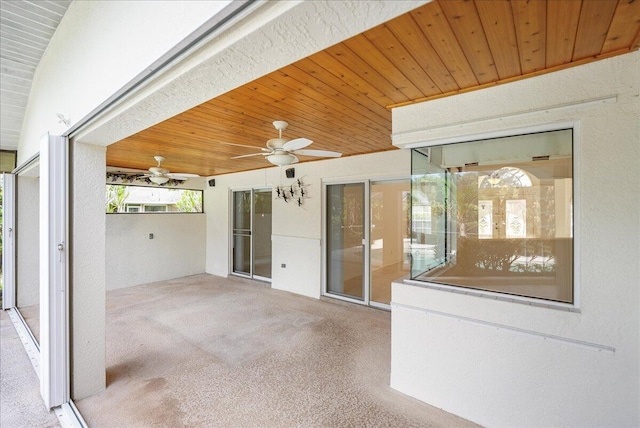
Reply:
x=88, y=279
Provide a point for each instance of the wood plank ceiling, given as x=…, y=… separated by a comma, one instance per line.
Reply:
x=341, y=97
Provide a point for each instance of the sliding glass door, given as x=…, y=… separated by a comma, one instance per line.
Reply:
x=346, y=240
x=251, y=235
x=367, y=236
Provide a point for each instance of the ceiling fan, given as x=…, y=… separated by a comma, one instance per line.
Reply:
x=280, y=151
x=160, y=175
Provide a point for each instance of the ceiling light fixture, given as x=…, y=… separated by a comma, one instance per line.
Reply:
x=281, y=158
x=158, y=179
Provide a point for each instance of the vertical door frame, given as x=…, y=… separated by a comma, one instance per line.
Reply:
x=9, y=241
x=251, y=191
x=253, y=232
x=366, y=274
x=367, y=238
x=54, y=272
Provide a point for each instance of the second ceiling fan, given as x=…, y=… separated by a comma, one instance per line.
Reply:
x=281, y=152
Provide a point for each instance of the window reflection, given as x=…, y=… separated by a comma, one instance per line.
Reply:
x=496, y=215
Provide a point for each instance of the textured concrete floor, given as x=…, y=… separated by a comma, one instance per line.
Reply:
x=204, y=351
x=20, y=401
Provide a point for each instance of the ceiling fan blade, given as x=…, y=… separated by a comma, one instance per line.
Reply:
x=319, y=153
x=247, y=146
x=295, y=158
x=296, y=144
x=181, y=175
x=249, y=155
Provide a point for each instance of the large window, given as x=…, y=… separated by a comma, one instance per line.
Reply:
x=140, y=199
x=496, y=215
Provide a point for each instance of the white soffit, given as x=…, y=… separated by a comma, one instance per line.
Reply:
x=26, y=27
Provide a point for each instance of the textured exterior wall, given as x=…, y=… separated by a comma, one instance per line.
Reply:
x=28, y=241
x=501, y=363
x=85, y=62
x=297, y=231
x=87, y=281
x=177, y=248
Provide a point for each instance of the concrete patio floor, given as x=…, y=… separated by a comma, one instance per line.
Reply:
x=206, y=351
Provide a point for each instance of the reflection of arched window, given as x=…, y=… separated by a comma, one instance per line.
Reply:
x=507, y=176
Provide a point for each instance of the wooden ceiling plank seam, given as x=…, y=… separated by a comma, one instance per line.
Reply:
x=327, y=111
x=351, y=79
x=463, y=19
x=137, y=156
x=342, y=115
x=328, y=61
x=409, y=34
x=497, y=22
x=202, y=121
x=520, y=77
x=306, y=123
x=391, y=52
x=340, y=85
x=363, y=71
x=375, y=55
x=530, y=23
x=307, y=115
x=289, y=81
x=593, y=26
x=562, y=28
x=436, y=28
x=325, y=90
x=268, y=116
x=337, y=122
x=626, y=16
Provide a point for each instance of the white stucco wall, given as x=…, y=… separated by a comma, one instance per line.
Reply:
x=97, y=49
x=177, y=248
x=296, y=231
x=501, y=363
x=28, y=241
x=87, y=279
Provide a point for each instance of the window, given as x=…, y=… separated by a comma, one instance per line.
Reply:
x=139, y=199
x=496, y=215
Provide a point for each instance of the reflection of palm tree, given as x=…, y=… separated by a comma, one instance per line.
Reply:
x=116, y=197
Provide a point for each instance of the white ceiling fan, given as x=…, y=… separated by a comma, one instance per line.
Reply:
x=160, y=175
x=281, y=151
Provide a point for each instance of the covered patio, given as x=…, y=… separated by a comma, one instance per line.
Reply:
x=209, y=351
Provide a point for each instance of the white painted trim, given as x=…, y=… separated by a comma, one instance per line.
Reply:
x=54, y=239
x=564, y=340
x=69, y=416
x=9, y=241
x=422, y=134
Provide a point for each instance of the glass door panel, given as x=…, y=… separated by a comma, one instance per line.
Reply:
x=262, y=233
x=390, y=242
x=345, y=240
x=242, y=232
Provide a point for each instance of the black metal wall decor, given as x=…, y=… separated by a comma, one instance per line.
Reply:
x=295, y=192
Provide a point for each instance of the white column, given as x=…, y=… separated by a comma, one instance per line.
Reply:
x=88, y=171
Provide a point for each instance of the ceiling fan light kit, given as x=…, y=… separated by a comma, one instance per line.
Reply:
x=159, y=175
x=158, y=179
x=282, y=152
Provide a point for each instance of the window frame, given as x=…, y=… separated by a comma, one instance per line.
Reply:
x=575, y=126
x=141, y=206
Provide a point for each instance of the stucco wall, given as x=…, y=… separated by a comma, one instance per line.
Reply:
x=87, y=280
x=177, y=248
x=297, y=231
x=85, y=62
x=28, y=241
x=501, y=363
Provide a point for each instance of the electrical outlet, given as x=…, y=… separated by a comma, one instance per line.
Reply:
x=283, y=265
x=151, y=236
